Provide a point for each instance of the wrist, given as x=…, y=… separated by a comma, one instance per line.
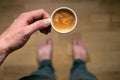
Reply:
x=3, y=46
x=3, y=49
x=2, y=57
x=3, y=53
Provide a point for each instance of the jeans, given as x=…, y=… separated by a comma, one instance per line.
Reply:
x=46, y=72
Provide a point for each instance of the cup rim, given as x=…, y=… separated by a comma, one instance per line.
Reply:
x=73, y=14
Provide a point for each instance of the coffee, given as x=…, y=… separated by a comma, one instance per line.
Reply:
x=63, y=20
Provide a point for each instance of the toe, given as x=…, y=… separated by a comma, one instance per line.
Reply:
x=49, y=41
x=74, y=41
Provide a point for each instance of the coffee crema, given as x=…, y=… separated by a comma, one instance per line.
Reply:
x=63, y=20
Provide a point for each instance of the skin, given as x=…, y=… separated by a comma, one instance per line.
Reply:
x=79, y=50
x=19, y=32
x=44, y=50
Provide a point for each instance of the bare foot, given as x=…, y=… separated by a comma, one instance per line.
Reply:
x=44, y=50
x=79, y=50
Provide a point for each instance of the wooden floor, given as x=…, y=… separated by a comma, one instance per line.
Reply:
x=98, y=26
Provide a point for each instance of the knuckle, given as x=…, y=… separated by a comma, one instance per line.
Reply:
x=22, y=31
x=42, y=10
x=22, y=14
x=23, y=17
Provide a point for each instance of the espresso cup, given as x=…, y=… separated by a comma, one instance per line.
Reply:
x=63, y=20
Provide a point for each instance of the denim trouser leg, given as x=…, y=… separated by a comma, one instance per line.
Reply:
x=80, y=72
x=45, y=72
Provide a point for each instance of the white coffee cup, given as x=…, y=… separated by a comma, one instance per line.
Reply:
x=63, y=20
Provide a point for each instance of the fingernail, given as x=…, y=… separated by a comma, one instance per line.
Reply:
x=47, y=22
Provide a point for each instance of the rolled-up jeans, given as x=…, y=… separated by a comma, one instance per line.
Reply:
x=80, y=72
x=46, y=72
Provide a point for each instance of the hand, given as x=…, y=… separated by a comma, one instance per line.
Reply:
x=22, y=28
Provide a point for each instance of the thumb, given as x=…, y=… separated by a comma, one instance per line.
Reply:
x=38, y=25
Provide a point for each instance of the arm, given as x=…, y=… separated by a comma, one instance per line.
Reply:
x=21, y=29
x=3, y=50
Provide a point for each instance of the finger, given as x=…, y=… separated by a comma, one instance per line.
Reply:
x=38, y=25
x=38, y=14
x=33, y=16
x=46, y=30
